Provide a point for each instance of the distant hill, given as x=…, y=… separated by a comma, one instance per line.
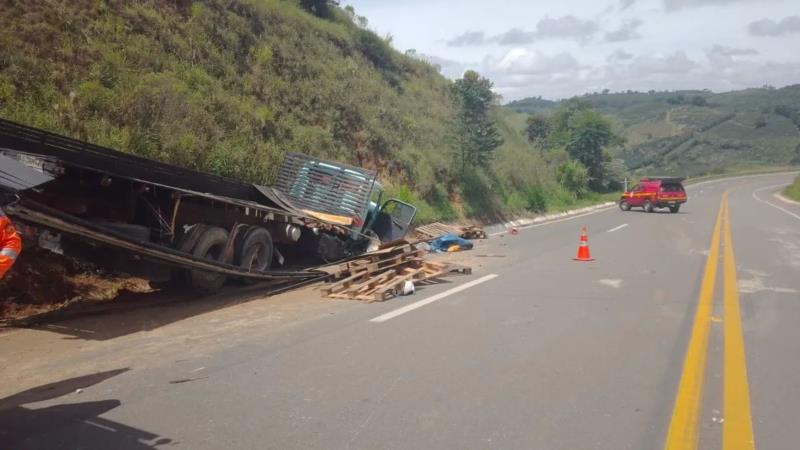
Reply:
x=697, y=132
x=532, y=105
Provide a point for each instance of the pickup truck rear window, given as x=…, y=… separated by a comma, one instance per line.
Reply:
x=671, y=188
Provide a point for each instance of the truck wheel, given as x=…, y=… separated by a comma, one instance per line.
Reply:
x=210, y=245
x=255, y=250
x=623, y=205
x=674, y=209
x=647, y=206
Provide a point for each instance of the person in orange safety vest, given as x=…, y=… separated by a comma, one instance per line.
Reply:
x=10, y=244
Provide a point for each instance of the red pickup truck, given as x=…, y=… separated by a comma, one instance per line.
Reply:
x=655, y=192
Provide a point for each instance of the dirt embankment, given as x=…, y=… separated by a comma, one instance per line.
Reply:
x=43, y=281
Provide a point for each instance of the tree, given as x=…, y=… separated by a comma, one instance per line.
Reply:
x=572, y=175
x=590, y=133
x=699, y=100
x=477, y=134
x=538, y=128
x=561, y=119
x=320, y=8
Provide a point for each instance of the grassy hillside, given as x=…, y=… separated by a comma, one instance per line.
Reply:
x=225, y=87
x=697, y=132
x=793, y=190
x=229, y=86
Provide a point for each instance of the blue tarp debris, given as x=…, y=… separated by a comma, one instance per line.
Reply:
x=450, y=242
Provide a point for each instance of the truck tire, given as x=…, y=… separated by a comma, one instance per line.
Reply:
x=647, y=206
x=255, y=250
x=674, y=209
x=210, y=245
x=623, y=205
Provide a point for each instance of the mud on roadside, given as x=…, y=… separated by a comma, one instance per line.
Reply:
x=42, y=281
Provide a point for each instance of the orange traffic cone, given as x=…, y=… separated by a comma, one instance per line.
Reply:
x=583, y=248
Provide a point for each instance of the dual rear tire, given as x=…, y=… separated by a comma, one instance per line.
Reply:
x=210, y=245
x=252, y=251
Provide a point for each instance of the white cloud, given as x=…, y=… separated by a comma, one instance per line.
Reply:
x=620, y=55
x=447, y=67
x=767, y=27
x=468, y=38
x=566, y=27
x=516, y=36
x=628, y=31
x=524, y=73
x=673, y=64
x=673, y=5
x=525, y=62
x=566, y=53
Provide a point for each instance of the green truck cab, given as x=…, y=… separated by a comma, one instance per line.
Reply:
x=347, y=196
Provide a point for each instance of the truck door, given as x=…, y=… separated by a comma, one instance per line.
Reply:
x=393, y=220
x=635, y=198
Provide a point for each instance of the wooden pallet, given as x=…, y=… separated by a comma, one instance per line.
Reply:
x=436, y=229
x=386, y=283
x=374, y=261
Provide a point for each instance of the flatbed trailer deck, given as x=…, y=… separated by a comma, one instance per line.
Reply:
x=212, y=227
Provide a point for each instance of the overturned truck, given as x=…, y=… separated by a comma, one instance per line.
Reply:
x=163, y=222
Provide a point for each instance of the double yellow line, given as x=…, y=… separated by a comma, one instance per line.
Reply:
x=737, y=429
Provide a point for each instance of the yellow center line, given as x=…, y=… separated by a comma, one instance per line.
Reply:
x=683, y=430
x=737, y=430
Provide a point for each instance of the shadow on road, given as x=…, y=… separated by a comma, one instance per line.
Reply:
x=68, y=425
x=658, y=211
x=145, y=312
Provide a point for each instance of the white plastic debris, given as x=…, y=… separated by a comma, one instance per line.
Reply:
x=408, y=288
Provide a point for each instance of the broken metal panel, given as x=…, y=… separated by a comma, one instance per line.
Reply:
x=326, y=187
x=16, y=176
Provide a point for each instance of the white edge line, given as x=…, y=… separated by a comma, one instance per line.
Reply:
x=564, y=219
x=738, y=177
x=772, y=204
x=618, y=228
x=780, y=197
x=431, y=299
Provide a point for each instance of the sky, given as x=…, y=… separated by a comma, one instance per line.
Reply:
x=561, y=48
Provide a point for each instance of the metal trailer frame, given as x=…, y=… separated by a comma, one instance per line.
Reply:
x=266, y=203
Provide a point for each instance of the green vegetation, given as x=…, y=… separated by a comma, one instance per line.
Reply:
x=793, y=190
x=478, y=137
x=697, y=132
x=229, y=87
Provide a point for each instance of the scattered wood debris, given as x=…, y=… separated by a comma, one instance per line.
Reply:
x=473, y=232
x=380, y=275
x=436, y=229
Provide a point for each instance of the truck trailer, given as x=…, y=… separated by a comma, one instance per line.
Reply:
x=167, y=223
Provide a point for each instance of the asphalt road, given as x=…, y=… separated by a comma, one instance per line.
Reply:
x=532, y=351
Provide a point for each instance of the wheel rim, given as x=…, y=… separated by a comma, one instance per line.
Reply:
x=251, y=257
x=254, y=258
